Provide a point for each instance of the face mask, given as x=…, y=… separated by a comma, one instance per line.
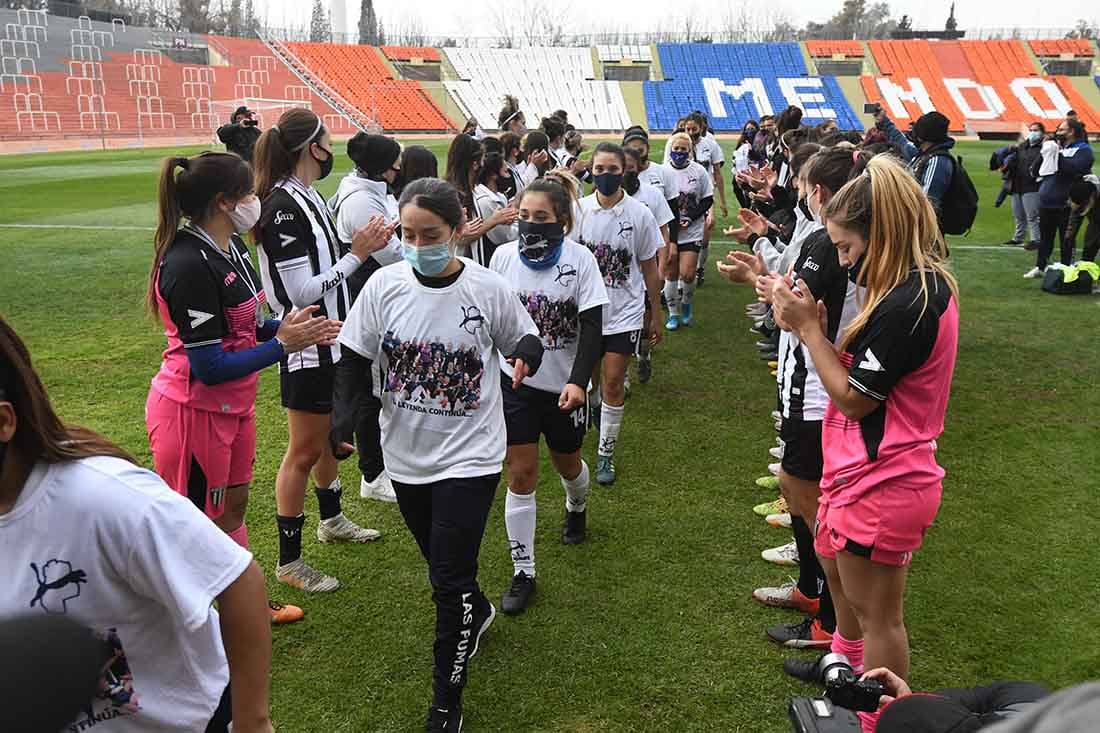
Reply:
x=631, y=184
x=804, y=209
x=750, y=135
x=429, y=260
x=696, y=135
x=815, y=215
x=245, y=215
x=326, y=164
x=679, y=158
x=853, y=271
x=1060, y=137
x=608, y=183
x=1034, y=136
x=540, y=244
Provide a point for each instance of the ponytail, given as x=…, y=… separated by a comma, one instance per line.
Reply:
x=282, y=145
x=563, y=189
x=168, y=222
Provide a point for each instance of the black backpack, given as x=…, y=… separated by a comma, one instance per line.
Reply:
x=959, y=204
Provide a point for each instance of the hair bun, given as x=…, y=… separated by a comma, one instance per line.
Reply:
x=184, y=163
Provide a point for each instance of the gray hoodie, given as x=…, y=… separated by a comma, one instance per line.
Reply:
x=357, y=200
x=1073, y=710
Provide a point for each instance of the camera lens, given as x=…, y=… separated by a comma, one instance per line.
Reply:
x=835, y=668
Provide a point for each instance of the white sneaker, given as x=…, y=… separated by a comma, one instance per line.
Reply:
x=774, y=468
x=783, y=521
x=1033, y=273
x=777, y=415
x=784, y=555
x=776, y=452
x=381, y=489
x=342, y=529
x=301, y=576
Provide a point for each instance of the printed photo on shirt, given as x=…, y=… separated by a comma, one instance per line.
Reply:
x=614, y=263
x=430, y=376
x=115, y=695
x=556, y=320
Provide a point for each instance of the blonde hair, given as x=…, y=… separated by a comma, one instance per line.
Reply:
x=888, y=209
x=685, y=138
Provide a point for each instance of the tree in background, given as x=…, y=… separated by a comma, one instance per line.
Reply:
x=320, y=30
x=370, y=28
x=856, y=19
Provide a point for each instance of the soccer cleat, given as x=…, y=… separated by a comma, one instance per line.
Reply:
x=626, y=383
x=574, y=529
x=301, y=576
x=770, y=507
x=782, y=520
x=771, y=483
x=776, y=452
x=778, y=423
x=787, y=596
x=756, y=310
x=804, y=669
x=283, y=614
x=1034, y=273
x=777, y=415
x=806, y=634
x=342, y=529
x=770, y=356
x=699, y=278
x=381, y=489
x=605, y=471
x=645, y=369
x=518, y=596
x=774, y=468
x=444, y=720
x=786, y=555
x=1031, y=246
x=773, y=365
x=595, y=409
x=686, y=314
x=673, y=322
x=483, y=619
x=1011, y=242
x=768, y=345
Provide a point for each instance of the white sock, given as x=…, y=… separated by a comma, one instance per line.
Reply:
x=704, y=252
x=576, y=490
x=519, y=519
x=611, y=420
x=688, y=288
x=672, y=297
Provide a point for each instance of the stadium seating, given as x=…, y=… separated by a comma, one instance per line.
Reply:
x=829, y=49
x=544, y=80
x=734, y=83
x=359, y=74
x=408, y=53
x=1079, y=47
x=616, y=54
x=979, y=85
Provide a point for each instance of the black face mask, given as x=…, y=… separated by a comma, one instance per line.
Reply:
x=3, y=452
x=853, y=271
x=631, y=184
x=695, y=136
x=326, y=164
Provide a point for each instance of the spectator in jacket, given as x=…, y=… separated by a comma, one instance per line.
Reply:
x=928, y=151
x=1070, y=162
x=1084, y=205
x=1025, y=188
x=241, y=134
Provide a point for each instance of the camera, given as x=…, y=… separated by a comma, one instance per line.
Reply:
x=872, y=108
x=843, y=686
x=819, y=715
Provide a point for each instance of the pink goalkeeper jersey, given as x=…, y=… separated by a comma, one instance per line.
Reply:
x=904, y=358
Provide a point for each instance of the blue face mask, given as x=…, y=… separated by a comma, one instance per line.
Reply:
x=608, y=183
x=679, y=158
x=429, y=260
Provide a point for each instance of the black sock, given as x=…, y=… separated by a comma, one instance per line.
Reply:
x=827, y=613
x=290, y=538
x=329, y=501
x=808, y=568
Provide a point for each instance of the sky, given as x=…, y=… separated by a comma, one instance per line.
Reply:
x=473, y=17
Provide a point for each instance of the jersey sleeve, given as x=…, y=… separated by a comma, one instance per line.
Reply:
x=193, y=298
x=177, y=556
x=706, y=187
x=821, y=265
x=663, y=213
x=648, y=235
x=896, y=340
x=591, y=291
x=361, y=331
x=717, y=157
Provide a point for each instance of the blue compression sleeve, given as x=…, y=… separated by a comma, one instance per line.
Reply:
x=213, y=365
x=267, y=331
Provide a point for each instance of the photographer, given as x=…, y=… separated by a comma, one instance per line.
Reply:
x=241, y=134
x=927, y=150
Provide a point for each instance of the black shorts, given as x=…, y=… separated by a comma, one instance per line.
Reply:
x=530, y=412
x=308, y=390
x=627, y=343
x=802, y=456
x=695, y=247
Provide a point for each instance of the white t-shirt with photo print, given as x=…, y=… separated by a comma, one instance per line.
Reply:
x=622, y=237
x=694, y=184
x=554, y=298
x=438, y=351
x=661, y=178
x=109, y=545
x=654, y=200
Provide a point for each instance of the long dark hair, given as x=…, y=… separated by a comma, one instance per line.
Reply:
x=509, y=112
x=436, y=196
x=462, y=159
x=40, y=434
x=282, y=145
x=560, y=199
x=553, y=127
x=744, y=131
x=192, y=194
x=417, y=162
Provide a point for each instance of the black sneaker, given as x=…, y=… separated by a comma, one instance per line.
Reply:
x=574, y=529
x=804, y=669
x=645, y=370
x=769, y=355
x=518, y=596
x=595, y=409
x=1031, y=246
x=806, y=634
x=699, y=278
x=447, y=720
x=484, y=615
x=1011, y=242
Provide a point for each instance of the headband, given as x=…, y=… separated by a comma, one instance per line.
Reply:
x=309, y=139
x=510, y=118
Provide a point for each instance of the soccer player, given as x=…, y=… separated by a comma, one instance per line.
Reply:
x=90, y=535
x=493, y=206
x=200, y=412
x=696, y=197
x=559, y=283
x=888, y=387
x=438, y=326
x=624, y=236
x=708, y=153
x=301, y=265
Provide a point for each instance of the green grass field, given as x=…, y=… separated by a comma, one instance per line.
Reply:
x=649, y=626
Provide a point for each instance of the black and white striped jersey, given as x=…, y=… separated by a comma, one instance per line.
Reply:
x=301, y=263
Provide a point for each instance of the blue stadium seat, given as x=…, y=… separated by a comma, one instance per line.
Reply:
x=686, y=65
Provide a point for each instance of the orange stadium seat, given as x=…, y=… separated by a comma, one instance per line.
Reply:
x=408, y=53
x=828, y=49
x=1073, y=46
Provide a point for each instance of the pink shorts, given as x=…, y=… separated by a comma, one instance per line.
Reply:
x=200, y=453
x=885, y=525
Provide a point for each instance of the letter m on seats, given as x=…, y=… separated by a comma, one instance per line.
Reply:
x=715, y=88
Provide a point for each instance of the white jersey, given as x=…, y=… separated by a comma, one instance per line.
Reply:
x=660, y=176
x=708, y=152
x=110, y=546
x=554, y=298
x=622, y=238
x=655, y=202
x=442, y=412
x=693, y=184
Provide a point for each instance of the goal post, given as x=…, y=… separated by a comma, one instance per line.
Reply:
x=268, y=112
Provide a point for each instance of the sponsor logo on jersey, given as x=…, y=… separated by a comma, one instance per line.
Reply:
x=58, y=584
x=281, y=216
x=870, y=362
x=472, y=320
x=198, y=317
x=287, y=239
x=230, y=279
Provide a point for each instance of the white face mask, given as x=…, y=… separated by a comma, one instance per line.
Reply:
x=245, y=215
